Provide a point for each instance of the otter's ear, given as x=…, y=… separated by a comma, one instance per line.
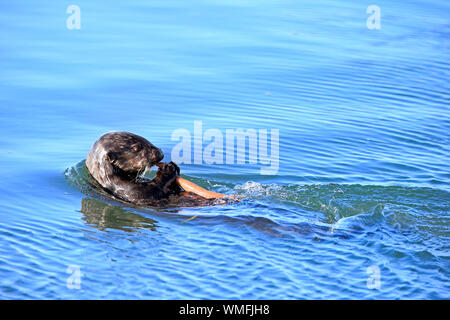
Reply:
x=112, y=157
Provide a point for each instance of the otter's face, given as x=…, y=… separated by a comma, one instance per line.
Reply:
x=131, y=153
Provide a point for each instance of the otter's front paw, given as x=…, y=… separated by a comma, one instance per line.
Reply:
x=167, y=173
x=169, y=170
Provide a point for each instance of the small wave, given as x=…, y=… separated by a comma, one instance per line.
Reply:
x=288, y=208
x=361, y=206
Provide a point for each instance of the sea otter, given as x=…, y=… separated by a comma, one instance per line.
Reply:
x=118, y=159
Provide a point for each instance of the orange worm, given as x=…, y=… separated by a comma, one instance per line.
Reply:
x=192, y=187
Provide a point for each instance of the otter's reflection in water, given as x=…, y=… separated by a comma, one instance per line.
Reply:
x=107, y=216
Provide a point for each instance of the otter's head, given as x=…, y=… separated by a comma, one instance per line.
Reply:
x=127, y=153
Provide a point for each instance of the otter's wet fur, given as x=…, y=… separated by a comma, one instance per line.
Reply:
x=117, y=161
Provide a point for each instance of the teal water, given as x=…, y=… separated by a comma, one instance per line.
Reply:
x=363, y=182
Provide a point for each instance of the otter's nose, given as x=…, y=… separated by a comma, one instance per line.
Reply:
x=159, y=155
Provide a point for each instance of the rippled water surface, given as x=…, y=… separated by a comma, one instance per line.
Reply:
x=362, y=188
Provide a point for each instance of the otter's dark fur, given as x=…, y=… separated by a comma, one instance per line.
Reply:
x=118, y=159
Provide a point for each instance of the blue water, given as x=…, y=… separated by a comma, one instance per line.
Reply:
x=359, y=207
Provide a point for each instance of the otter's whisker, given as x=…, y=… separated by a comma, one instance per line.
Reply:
x=145, y=170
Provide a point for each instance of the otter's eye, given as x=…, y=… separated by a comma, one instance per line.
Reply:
x=136, y=148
